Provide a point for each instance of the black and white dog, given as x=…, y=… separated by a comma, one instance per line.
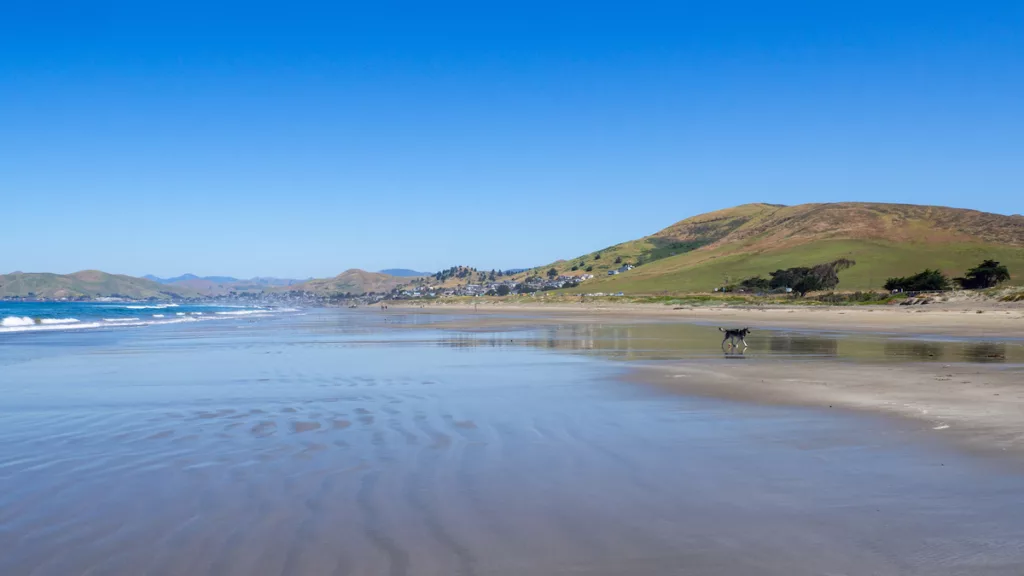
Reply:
x=734, y=334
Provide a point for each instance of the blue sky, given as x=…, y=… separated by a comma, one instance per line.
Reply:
x=300, y=139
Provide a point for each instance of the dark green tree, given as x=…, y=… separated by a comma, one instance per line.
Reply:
x=926, y=280
x=985, y=275
x=552, y=273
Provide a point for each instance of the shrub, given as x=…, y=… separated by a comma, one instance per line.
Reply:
x=755, y=284
x=926, y=280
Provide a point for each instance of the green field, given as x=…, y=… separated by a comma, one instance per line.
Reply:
x=703, y=271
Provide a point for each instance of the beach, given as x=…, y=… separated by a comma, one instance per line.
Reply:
x=979, y=402
x=986, y=319
x=442, y=441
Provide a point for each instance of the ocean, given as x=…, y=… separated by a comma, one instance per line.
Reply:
x=21, y=317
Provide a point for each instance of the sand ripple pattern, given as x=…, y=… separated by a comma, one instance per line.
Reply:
x=298, y=453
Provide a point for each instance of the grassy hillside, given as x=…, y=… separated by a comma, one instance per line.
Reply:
x=706, y=251
x=351, y=281
x=84, y=284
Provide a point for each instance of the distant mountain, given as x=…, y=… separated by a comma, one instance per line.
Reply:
x=352, y=281
x=85, y=284
x=186, y=277
x=404, y=272
x=269, y=281
x=220, y=285
x=885, y=240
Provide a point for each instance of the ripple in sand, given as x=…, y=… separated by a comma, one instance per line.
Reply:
x=264, y=428
x=304, y=426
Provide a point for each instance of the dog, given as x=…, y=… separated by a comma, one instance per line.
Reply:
x=734, y=334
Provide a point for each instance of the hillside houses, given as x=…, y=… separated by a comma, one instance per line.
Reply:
x=502, y=288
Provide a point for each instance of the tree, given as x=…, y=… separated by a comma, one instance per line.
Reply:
x=597, y=256
x=618, y=259
x=803, y=280
x=575, y=268
x=552, y=273
x=503, y=290
x=590, y=269
x=985, y=275
x=755, y=283
x=925, y=280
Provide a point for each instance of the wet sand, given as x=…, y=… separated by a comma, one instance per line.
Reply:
x=979, y=406
x=336, y=444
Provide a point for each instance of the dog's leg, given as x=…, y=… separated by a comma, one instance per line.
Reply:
x=744, y=340
x=724, y=340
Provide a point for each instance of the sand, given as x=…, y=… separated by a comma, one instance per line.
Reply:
x=980, y=406
x=988, y=319
x=977, y=405
x=330, y=443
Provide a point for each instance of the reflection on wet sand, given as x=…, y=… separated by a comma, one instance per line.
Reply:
x=662, y=341
x=328, y=446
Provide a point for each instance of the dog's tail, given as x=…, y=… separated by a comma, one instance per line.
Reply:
x=720, y=329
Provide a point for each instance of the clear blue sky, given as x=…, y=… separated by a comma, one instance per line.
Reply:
x=300, y=139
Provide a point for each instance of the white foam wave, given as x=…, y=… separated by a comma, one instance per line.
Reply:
x=12, y=324
x=42, y=327
x=151, y=307
x=12, y=321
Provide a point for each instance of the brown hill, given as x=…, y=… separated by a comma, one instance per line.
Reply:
x=84, y=284
x=353, y=281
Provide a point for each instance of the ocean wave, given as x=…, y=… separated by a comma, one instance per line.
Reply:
x=12, y=321
x=5, y=329
x=151, y=307
x=12, y=324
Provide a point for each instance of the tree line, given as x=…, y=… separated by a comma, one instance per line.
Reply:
x=985, y=275
x=804, y=279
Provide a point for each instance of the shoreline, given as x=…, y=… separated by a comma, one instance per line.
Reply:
x=978, y=406
x=995, y=319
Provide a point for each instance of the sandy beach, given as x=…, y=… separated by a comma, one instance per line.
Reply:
x=969, y=319
x=980, y=405
x=366, y=442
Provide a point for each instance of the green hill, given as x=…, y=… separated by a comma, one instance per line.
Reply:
x=707, y=251
x=84, y=284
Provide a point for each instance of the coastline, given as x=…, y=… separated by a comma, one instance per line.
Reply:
x=975, y=320
x=976, y=405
